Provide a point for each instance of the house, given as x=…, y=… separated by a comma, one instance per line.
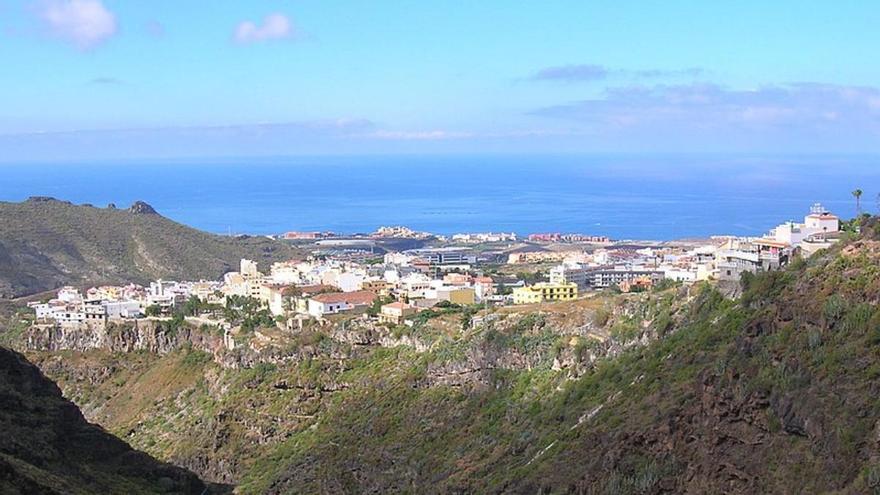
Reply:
x=273, y=296
x=296, y=236
x=750, y=255
x=249, y=269
x=605, y=278
x=457, y=279
x=336, y=302
x=544, y=291
x=818, y=222
x=637, y=284
x=379, y=287
x=457, y=295
x=484, y=287
x=394, y=313
x=569, y=274
x=300, y=295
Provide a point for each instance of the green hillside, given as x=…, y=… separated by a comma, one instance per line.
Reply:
x=774, y=393
x=45, y=243
x=679, y=390
x=49, y=448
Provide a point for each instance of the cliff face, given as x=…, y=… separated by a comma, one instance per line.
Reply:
x=187, y=397
x=48, y=447
x=155, y=336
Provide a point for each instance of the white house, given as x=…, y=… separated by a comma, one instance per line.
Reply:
x=337, y=302
x=818, y=222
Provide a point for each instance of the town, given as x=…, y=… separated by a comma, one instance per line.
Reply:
x=346, y=276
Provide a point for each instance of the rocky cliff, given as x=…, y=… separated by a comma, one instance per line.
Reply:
x=187, y=396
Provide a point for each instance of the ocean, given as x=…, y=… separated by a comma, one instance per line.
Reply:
x=621, y=196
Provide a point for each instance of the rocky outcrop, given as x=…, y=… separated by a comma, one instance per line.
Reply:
x=139, y=335
x=46, y=199
x=142, y=208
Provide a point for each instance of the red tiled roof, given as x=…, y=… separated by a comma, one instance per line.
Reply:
x=357, y=298
x=397, y=305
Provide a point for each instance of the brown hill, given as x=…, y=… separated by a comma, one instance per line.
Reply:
x=46, y=243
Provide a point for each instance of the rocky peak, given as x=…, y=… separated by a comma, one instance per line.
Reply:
x=142, y=208
x=45, y=199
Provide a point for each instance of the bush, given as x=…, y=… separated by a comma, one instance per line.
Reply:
x=601, y=317
x=857, y=319
x=834, y=308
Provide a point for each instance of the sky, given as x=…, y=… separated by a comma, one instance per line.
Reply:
x=112, y=79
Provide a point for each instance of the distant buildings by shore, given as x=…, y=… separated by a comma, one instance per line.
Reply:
x=397, y=285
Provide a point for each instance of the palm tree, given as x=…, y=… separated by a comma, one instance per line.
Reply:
x=858, y=195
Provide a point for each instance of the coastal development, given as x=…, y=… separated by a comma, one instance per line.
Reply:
x=346, y=275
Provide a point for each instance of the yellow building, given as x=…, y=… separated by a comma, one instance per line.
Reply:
x=463, y=296
x=396, y=312
x=544, y=292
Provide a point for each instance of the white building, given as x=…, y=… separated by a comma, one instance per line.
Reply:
x=569, y=273
x=818, y=222
x=249, y=269
x=69, y=295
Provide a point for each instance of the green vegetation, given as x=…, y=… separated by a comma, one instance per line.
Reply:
x=248, y=312
x=376, y=307
x=196, y=307
x=772, y=391
x=153, y=310
x=529, y=430
x=14, y=321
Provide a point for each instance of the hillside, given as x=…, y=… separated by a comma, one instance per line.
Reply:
x=46, y=243
x=774, y=393
x=679, y=390
x=48, y=447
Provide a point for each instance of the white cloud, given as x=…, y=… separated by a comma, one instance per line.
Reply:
x=418, y=135
x=85, y=23
x=275, y=26
x=800, y=116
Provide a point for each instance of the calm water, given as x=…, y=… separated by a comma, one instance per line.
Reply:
x=625, y=197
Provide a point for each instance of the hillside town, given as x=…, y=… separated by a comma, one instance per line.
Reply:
x=348, y=277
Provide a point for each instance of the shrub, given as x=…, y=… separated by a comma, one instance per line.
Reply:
x=858, y=318
x=834, y=308
x=601, y=317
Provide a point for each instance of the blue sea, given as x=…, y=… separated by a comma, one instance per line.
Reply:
x=621, y=196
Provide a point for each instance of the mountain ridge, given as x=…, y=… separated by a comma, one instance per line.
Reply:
x=46, y=243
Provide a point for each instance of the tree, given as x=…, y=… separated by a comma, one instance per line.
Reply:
x=153, y=310
x=858, y=195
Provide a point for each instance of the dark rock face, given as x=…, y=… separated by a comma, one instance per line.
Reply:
x=46, y=199
x=141, y=208
x=111, y=206
x=48, y=447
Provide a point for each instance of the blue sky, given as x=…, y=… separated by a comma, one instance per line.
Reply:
x=94, y=79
